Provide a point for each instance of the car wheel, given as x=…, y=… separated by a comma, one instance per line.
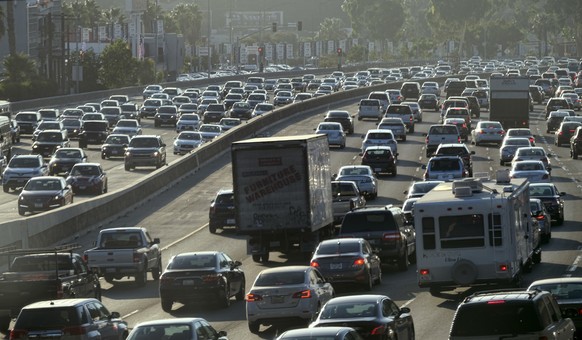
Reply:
x=167, y=305
x=156, y=271
x=256, y=258
x=108, y=278
x=141, y=278
x=265, y=257
x=403, y=262
x=240, y=296
x=574, y=154
x=560, y=220
x=369, y=282
x=5, y=188
x=97, y=294
x=254, y=327
x=558, y=142
x=212, y=228
x=395, y=172
x=435, y=291
x=225, y=303
x=412, y=129
x=21, y=211
x=127, y=167
x=379, y=278
x=343, y=146
x=404, y=138
x=502, y=163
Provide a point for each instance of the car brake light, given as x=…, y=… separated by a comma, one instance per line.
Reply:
x=136, y=257
x=560, y=133
x=424, y=271
x=426, y=140
x=393, y=235
x=459, y=139
x=211, y=278
x=503, y=267
x=540, y=217
x=17, y=334
x=378, y=330
x=495, y=302
x=304, y=294
x=253, y=297
x=359, y=262
x=314, y=264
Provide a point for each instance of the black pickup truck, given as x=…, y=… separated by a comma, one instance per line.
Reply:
x=43, y=274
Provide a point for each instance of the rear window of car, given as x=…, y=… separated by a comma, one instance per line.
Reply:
x=508, y=317
x=444, y=165
x=369, y=103
x=368, y=221
x=379, y=135
x=378, y=152
x=452, y=151
x=280, y=278
x=338, y=248
x=47, y=318
x=399, y=109
x=443, y=130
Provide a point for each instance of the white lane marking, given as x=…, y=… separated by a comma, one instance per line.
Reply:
x=184, y=237
x=407, y=302
x=574, y=265
x=130, y=314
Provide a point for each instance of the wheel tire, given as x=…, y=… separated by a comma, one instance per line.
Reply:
x=379, y=278
x=254, y=327
x=240, y=296
x=265, y=257
x=502, y=163
x=108, y=278
x=395, y=172
x=141, y=278
x=574, y=154
x=537, y=257
x=102, y=156
x=127, y=167
x=435, y=291
x=212, y=228
x=167, y=305
x=369, y=283
x=5, y=188
x=256, y=258
x=21, y=211
x=225, y=301
x=5, y=323
x=404, y=138
x=403, y=262
x=98, y=292
x=156, y=272
x=412, y=129
x=560, y=221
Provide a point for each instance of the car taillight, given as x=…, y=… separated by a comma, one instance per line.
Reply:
x=458, y=139
x=560, y=133
x=86, y=258
x=540, y=217
x=137, y=257
x=211, y=278
x=501, y=132
x=314, y=264
x=304, y=294
x=359, y=262
x=253, y=297
x=424, y=271
x=17, y=334
x=74, y=330
x=378, y=330
x=426, y=140
x=389, y=236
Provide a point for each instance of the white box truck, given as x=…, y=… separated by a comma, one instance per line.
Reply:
x=282, y=193
x=474, y=231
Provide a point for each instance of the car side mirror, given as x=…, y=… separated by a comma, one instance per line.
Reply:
x=114, y=315
x=237, y=264
x=423, y=167
x=157, y=240
x=222, y=335
x=472, y=152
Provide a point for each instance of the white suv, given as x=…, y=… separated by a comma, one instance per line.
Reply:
x=370, y=108
x=379, y=137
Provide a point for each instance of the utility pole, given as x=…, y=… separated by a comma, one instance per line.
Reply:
x=208, y=41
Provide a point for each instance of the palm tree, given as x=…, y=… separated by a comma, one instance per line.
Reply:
x=111, y=17
x=10, y=24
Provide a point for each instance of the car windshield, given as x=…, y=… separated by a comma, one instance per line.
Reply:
x=348, y=310
x=280, y=278
x=117, y=140
x=162, y=332
x=43, y=185
x=43, y=318
x=207, y=128
x=126, y=123
x=49, y=137
x=444, y=165
x=189, y=136
x=509, y=317
x=144, y=143
x=193, y=262
x=24, y=163
x=541, y=190
x=25, y=117
x=189, y=117
x=371, y=221
x=85, y=170
x=64, y=153
x=338, y=248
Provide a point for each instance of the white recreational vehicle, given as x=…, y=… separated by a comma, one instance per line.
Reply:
x=475, y=231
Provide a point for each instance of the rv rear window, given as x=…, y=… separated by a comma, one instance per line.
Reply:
x=428, y=236
x=462, y=231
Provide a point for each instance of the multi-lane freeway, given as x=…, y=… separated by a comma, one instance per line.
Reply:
x=179, y=216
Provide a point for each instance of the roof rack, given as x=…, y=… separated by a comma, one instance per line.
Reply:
x=13, y=251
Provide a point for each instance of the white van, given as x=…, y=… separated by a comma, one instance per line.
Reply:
x=370, y=108
x=382, y=97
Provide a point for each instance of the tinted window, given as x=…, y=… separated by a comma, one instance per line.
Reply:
x=461, y=231
x=47, y=318
x=280, y=278
x=338, y=248
x=508, y=317
x=193, y=262
x=369, y=221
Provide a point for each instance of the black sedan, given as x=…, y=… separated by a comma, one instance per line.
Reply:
x=348, y=260
x=343, y=117
x=44, y=193
x=551, y=198
x=63, y=160
x=209, y=276
x=328, y=333
x=373, y=316
x=88, y=177
x=114, y=146
x=242, y=110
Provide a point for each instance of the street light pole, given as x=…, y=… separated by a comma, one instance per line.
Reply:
x=208, y=40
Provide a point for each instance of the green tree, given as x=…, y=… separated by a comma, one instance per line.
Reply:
x=375, y=19
x=452, y=18
x=153, y=12
x=10, y=28
x=20, y=68
x=188, y=19
x=570, y=25
x=356, y=54
x=23, y=81
x=331, y=29
x=146, y=71
x=118, y=67
x=111, y=17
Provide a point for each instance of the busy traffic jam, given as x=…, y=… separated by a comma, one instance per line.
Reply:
x=443, y=206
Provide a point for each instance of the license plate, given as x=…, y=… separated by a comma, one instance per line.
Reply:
x=230, y=221
x=38, y=205
x=277, y=299
x=377, y=169
x=187, y=282
x=82, y=187
x=335, y=266
x=114, y=152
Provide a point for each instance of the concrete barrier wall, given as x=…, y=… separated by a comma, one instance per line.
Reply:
x=52, y=227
